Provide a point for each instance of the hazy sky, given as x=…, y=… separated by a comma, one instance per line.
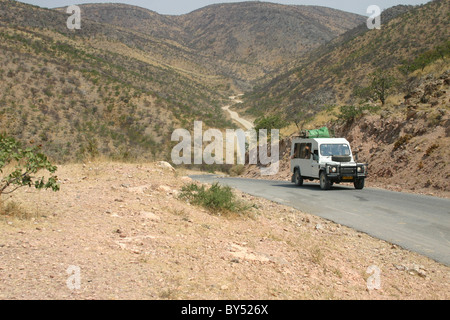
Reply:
x=185, y=6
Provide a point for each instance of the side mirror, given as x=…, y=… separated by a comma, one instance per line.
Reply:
x=315, y=157
x=355, y=155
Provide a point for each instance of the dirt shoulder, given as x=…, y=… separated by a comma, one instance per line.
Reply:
x=131, y=238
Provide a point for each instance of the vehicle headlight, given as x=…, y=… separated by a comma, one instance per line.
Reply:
x=333, y=169
x=360, y=169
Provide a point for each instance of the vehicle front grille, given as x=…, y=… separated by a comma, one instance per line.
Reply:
x=345, y=170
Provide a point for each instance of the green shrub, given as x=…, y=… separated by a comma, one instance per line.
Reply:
x=27, y=162
x=237, y=170
x=351, y=113
x=269, y=123
x=218, y=199
x=428, y=57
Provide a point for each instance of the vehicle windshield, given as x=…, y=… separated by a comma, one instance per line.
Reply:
x=328, y=150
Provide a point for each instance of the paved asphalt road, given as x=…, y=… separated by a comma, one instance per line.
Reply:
x=415, y=222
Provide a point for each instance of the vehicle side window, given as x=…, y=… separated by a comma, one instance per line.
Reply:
x=316, y=155
x=297, y=151
x=305, y=150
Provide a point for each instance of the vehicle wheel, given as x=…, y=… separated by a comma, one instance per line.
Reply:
x=298, y=179
x=325, y=183
x=359, y=184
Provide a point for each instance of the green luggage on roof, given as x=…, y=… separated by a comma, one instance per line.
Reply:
x=318, y=133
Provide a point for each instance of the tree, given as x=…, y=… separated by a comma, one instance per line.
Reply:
x=381, y=86
x=25, y=164
x=269, y=123
x=298, y=115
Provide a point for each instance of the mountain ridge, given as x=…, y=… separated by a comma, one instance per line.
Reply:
x=244, y=40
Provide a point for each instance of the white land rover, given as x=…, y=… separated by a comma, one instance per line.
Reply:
x=329, y=160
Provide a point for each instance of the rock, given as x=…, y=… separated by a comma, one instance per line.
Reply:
x=165, y=188
x=165, y=165
x=240, y=252
x=150, y=216
x=186, y=179
x=412, y=269
x=139, y=189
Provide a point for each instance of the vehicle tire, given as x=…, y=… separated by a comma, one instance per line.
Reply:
x=298, y=179
x=359, y=184
x=325, y=183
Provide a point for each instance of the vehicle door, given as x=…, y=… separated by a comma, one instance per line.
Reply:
x=315, y=162
x=305, y=158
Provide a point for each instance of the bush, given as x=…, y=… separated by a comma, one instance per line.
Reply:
x=351, y=113
x=237, y=170
x=381, y=86
x=269, y=123
x=13, y=209
x=28, y=162
x=426, y=58
x=431, y=149
x=217, y=199
x=402, y=141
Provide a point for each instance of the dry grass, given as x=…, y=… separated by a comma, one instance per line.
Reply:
x=12, y=209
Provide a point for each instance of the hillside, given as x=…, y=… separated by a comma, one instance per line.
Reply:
x=96, y=92
x=330, y=75
x=409, y=132
x=119, y=86
x=242, y=41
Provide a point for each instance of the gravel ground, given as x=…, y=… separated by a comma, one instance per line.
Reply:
x=118, y=231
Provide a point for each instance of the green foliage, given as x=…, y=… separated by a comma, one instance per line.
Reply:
x=382, y=83
x=299, y=114
x=217, y=199
x=426, y=58
x=381, y=86
x=269, y=123
x=28, y=162
x=237, y=170
x=350, y=113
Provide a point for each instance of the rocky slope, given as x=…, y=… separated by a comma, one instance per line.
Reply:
x=120, y=85
x=98, y=91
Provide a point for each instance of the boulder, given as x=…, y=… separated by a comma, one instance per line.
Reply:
x=165, y=165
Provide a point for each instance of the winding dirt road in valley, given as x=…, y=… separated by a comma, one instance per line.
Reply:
x=248, y=125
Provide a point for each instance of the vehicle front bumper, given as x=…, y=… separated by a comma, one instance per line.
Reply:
x=346, y=174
